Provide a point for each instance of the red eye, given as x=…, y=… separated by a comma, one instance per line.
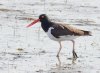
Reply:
x=42, y=16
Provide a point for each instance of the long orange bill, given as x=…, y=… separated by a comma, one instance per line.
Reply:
x=33, y=22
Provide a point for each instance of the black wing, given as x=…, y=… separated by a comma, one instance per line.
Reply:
x=65, y=29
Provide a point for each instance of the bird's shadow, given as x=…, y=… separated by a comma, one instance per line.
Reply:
x=59, y=64
x=63, y=68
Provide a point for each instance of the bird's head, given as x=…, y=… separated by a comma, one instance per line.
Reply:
x=42, y=18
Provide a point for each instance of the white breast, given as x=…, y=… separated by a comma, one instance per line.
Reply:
x=50, y=35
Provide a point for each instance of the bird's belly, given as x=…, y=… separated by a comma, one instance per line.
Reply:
x=67, y=37
x=61, y=38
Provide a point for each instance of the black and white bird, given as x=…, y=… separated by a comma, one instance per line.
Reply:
x=60, y=32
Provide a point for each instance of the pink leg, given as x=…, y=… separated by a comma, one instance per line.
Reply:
x=59, y=49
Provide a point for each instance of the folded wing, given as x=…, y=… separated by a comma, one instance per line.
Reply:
x=64, y=30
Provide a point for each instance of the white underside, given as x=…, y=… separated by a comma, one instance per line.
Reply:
x=62, y=38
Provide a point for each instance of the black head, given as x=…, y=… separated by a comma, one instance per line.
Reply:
x=43, y=18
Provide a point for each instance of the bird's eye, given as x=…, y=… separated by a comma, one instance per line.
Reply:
x=42, y=16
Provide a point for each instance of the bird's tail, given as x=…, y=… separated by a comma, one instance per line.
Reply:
x=87, y=33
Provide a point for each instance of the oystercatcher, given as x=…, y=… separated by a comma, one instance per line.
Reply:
x=60, y=32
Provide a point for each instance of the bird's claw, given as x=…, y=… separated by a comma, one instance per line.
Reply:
x=57, y=55
x=75, y=55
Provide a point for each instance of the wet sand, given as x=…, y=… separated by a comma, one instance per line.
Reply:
x=29, y=50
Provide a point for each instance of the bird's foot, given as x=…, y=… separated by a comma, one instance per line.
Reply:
x=74, y=55
x=57, y=55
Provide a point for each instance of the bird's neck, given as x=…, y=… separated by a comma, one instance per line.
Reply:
x=45, y=25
